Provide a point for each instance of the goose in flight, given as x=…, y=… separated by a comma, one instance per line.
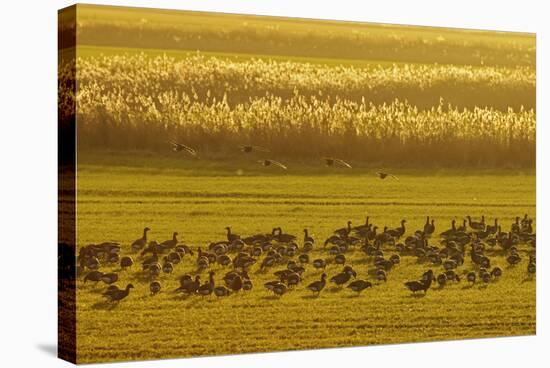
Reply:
x=330, y=162
x=178, y=147
x=247, y=148
x=268, y=162
x=384, y=175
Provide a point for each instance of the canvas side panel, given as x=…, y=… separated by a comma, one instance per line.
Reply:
x=66, y=184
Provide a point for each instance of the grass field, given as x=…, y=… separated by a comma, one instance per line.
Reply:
x=198, y=199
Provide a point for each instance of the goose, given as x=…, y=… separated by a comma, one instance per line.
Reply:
x=330, y=162
x=109, y=278
x=211, y=257
x=231, y=236
x=247, y=285
x=395, y=259
x=471, y=277
x=513, y=259
x=319, y=263
x=184, y=249
x=118, y=295
x=384, y=175
x=476, y=225
x=153, y=247
x=174, y=257
x=220, y=291
x=224, y=260
x=270, y=284
x=155, y=269
x=424, y=284
x=179, y=147
x=146, y=263
x=450, y=231
x=429, y=227
x=268, y=162
x=485, y=277
x=492, y=229
x=126, y=262
x=307, y=238
x=93, y=276
x=532, y=268
x=234, y=283
x=344, y=276
x=267, y=262
x=154, y=287
x=343, y=231
x=441, y=279
x=303, y=258
x=283, y=237
x=208, y=287
x=319, y=285
x=340, y=259
x=92, y=263
x=185, y=279
x=111, y=289
x=364, y=227
x=381, y=275
x=397, y=232
x=452, y=276
x=248, y=148
x=167, y=244
x=293, y=279
x=168, y=267
x=279, y=289
x=141, y=242
x=190, y=287
x=516, y=226
x=359, y=285
x=496, y=272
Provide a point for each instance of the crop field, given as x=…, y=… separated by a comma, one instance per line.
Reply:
x=190, y=122
x=172, y=196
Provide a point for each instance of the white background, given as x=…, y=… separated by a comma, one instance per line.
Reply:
x=28, y=181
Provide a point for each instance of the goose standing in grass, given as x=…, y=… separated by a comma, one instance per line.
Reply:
x=343, y=231
x=268, y=162
x=479, y=226
x=126, y=262
x=307, y=238
x=118, y=295
x=93, y=276
x=140, y=243
x=221, y=291
x=344, y=276
x=318, y=286
x=249, y=148
x=190, y=286
x=359, y=285
x=451, y=231
x=231, y=236
x=208, y=287
x=171, y=243
x=429, y=227
x=319, y=263
x=422, y=285
x=154, y=287
x=180, y=147
x=331, y=162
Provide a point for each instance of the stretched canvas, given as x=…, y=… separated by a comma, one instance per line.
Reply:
x=235, y=183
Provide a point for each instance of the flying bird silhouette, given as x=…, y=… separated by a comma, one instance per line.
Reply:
x=267, y=162
x=247, y=148
x=178, y=147
x=384, y=175
x=329, y=161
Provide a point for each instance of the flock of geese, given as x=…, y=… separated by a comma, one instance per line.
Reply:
x=384, y=250
x=247, y=149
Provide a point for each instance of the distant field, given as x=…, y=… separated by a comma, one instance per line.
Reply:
x=198, y=199
x=216, y=32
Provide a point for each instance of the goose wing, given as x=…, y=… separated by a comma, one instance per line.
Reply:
x=279, y=164
x=342, y=163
